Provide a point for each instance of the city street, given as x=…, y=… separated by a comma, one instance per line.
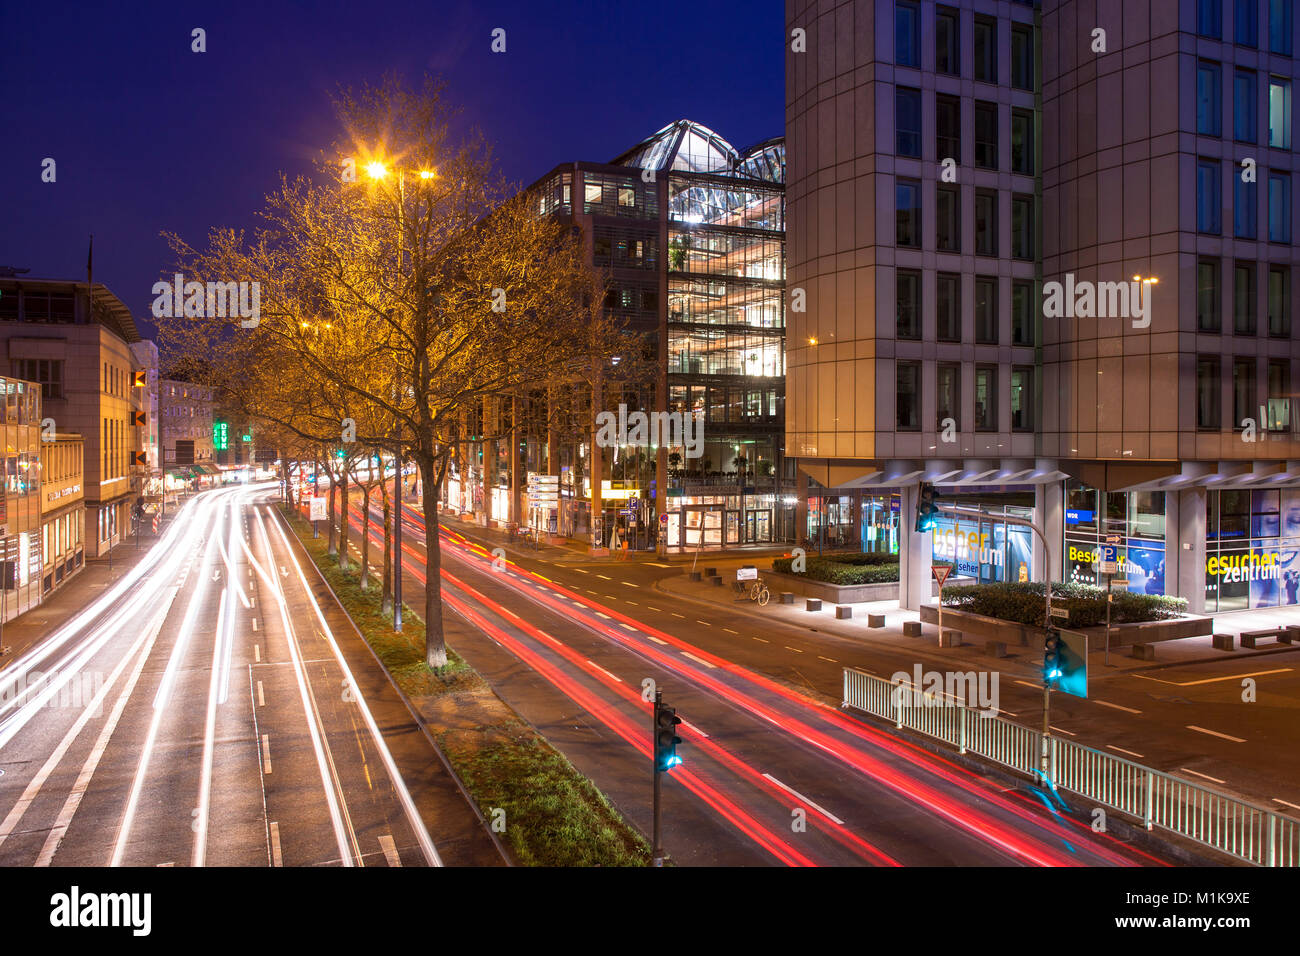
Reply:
x=213, y=707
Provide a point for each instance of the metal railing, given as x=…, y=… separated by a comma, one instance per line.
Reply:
x=1225, y=823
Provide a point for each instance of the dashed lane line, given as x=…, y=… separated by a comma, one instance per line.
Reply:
x=1117, y=706
x=1215, y=733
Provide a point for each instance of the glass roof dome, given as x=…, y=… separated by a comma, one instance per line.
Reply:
x=688, y=146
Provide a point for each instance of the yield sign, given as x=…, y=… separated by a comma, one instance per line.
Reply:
x=941, y=572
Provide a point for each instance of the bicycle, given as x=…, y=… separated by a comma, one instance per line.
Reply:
x=759, y=593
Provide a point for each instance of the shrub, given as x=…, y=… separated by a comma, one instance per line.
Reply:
x=839, y=571
x=1023, y=603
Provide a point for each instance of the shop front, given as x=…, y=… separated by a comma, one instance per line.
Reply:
x=1136, y=518
x=1252, y=549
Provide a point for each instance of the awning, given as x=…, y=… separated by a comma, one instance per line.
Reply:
x=206, y=468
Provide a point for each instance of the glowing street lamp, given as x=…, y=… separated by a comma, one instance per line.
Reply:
x=376, y=170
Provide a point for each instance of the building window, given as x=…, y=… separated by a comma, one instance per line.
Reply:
x=1245, y=205
x=1022, y=399
x=592, y=194
x=947, y=45
x=1245, y=22
x=907, y=33
x=1279, y=113
x=47, y=372
x=907, y=195
x=1209, y=18
x=1022, y=142
x=907, y=399
x=948, y=307
x=1207, y=295
x=1022, y=57
x=1279, y=26
x=1022, y=312
x=1244, y=106
x=1208, y=394
x=907, y=122
x=1209, y=101
x=1279, y=395
x=1243, y=298
x=948, y=396
x=986, y=223
x=1279, y=207
x=986, y=50
x=1243, y=390
x=908, y=295
x=947, y=219
x=1208, y=196
x=1022, y=227
x=986, y=135
x=1279, y=301
x=986, y=398
x=947, y=128
x=986, y=311
x=626, y=196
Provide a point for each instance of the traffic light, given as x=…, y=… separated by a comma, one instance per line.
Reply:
x=926, y=509
x=666, y=739
x=1051, y=657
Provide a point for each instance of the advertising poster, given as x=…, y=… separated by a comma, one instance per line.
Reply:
x=1020, y=554
x=1145, y=568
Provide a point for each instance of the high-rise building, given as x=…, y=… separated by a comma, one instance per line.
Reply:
x=1047, y=257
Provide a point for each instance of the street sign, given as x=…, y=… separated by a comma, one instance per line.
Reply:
x=940, y=572
x=318, y=509
x=663, y=519
x=747, y=573
x=1074, y=664
x=1109, y=559
x=1114, y=539
x=1061, y=612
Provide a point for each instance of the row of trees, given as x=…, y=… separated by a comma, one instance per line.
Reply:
x=403, y=289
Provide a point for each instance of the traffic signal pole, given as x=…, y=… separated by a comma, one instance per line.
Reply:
x=658, y=853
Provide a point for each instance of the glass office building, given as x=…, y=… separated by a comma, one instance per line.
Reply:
x=20, y=498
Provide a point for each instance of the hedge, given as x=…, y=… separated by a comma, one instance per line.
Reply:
x=848, y=569
x=1023, y=603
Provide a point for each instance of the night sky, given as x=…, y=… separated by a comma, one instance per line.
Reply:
x=149, y=136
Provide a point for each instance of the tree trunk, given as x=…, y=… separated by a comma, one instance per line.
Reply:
x=435, y=647
x=344, y=521
x=365, y=536
x=333, y=541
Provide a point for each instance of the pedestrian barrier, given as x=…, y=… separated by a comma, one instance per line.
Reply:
x=1236, y=827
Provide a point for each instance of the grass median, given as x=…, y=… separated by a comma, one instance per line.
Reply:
x=553, y=815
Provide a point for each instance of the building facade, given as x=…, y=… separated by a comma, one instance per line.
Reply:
x=76, y=340
x=63, y=508
x=186, y=433
x=146, y=403
x=21, y=560
x=1049, y=271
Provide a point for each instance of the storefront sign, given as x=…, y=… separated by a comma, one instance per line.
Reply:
x=1075, y=516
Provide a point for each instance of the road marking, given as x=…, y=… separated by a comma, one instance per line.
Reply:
x=603, y=671
x=1117, y=706
x=605, y=577
x=257, y=653
x=266, y=753
x=629, y=584
x=761, y=639
x=802, y=799
x=1212, y=680
x=261, y=697
x=705, y=623
x=675, y=614
x=1025, y=683
x=605, y=616
x=580, y=571
x=1285, y=803
x=628, y=626
x=276, y=858
x=651, y=564
x=795, y=649
x=1203, y=776
x=610, y=597
x=693, y=729
x=1215, y=733
x=831, y=659
x=506, y=610
x=390, y=850
x=1066, y=732
x=653, y=638
x=655, y=609
x=1131, y=753
x=699, y=660
x=730, y=631
x=255, y=624
x=633, y=603
x=590, y=591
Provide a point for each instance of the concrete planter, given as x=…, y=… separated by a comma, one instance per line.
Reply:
x=1121, y=635
x=832, y=593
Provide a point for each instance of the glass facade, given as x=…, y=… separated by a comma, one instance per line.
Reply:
x=1252, y=548
x=21, y=561
x=1138, y=517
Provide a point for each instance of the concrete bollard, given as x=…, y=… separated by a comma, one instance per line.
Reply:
x=813, y=604
x=950, y=638
x=696, y=576
x=787, y=597
x=1224, y=642
x=911, y=628
x=1144, y=652
x=842, y=612
x=875, y=620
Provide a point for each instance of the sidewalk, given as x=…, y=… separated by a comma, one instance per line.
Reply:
x=74, y=595
x=1023, y=662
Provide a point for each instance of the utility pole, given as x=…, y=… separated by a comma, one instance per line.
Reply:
x=397, y=537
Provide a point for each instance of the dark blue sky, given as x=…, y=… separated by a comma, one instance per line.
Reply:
x=149, y=136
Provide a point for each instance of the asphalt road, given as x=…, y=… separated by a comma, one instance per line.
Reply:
x=212, y=708
x=769, y=778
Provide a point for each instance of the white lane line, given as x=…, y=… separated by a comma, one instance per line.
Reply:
x=730, y=631
x=633, y=603
x=605, y=576
x=390, y=850
x=266, y=753
x=830, y=659
x=705, y=623
x=627, y=626
x=604, y=615
x=1286, y=803
x=1213, y=680
x=276, y=858
x=257, y=653
x=761, y=639
x=255, y=624
x=651, y=564
x=1059, y=730
x=261, y=697
x=655, y=609
x=1131, y=753
x=506, y=610
x=699, y=660
x=651, y=637
x=693, y=729
x=629, y=584
x=580, y=571
x=199, y=854
x=1025, y=683
x=795, y=649
x=1117, y=706
x=675, y=614
x=603, y=671
x=1203, y=776
x=1215, y=733
x=802, y=799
